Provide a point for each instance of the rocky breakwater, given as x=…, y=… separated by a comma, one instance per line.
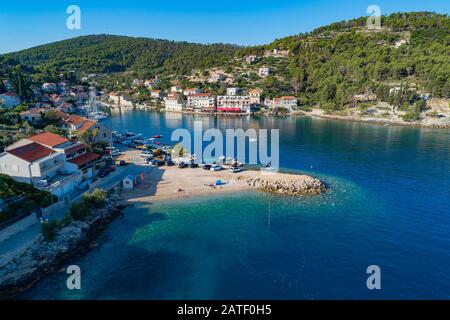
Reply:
x=286, y=184
x=46, y=256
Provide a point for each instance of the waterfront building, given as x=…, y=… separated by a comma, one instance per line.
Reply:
x=78, y=125
x=233, y=103
x=174, y=102
x=284, y=102
x=157, y=94
x=49, y=162
x=255, y=95
x=205, y=102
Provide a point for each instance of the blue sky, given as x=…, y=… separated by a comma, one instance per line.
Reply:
x=245, y=22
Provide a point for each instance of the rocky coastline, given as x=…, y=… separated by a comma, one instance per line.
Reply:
x=305, y=186
x=33, y=264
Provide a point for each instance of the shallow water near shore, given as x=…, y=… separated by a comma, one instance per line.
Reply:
x=387, y=206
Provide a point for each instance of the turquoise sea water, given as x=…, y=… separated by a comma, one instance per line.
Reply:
x=388, y=205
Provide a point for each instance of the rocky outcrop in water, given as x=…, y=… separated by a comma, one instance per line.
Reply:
x=304, y=185
x=46, y=256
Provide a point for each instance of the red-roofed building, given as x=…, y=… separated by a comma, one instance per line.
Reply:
x=86, y=160
x=77, y=125
x=31, y=163
x=50, y=140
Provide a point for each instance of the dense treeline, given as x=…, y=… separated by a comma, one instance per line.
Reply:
x=107, y=53
x=331, y=64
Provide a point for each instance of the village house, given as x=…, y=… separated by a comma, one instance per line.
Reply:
x=76, y=125
x=255, y=96
x=151, y=83
x=217, y=77
x=285, y=102
x=233, y=103
x=31, y=163
x=264, y=71
x=174, y=102
x=33, y=116
x=252, y=59
x=233, y=91
x=76, y=154
x=176, y=89
x=119, y=99
x=190, y=91
x=205, y=102
x=49, y=162
x=157, y=94
x=9, y=100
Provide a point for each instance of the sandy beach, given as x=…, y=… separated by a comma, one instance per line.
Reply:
x=171, y=183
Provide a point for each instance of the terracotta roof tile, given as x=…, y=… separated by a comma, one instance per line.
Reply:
x=85, y=159
x=31, y=152
x=48, y=139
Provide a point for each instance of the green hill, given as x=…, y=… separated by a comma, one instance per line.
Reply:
x=108, y=53
x=331, y=64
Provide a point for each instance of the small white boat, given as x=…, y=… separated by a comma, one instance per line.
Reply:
x=98, y=115
x=216, y=167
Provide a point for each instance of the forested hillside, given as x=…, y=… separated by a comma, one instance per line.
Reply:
x=331, y=64
x=107, y=53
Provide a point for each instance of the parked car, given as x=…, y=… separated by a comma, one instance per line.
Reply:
x=236, y=169
x=193, y=165
x=182, y=165
x=206, y=167
x=148, y=160
x=122, y=163
x=157, y=163
x=146, y=153
x=216, y=167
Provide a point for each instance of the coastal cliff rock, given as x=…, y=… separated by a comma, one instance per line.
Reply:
x=304, y=185
x=46, y=256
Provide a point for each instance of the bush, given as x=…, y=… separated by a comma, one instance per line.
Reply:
x=411, y=116
x=80, y=211
x=95, y=199
x=49, y=230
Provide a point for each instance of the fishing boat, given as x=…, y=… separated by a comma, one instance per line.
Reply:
x=158, y=136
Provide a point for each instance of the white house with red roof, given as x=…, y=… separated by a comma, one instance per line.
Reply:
x=9, y=100
x=49, y=162
x=31, y=163
x=78, y=125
